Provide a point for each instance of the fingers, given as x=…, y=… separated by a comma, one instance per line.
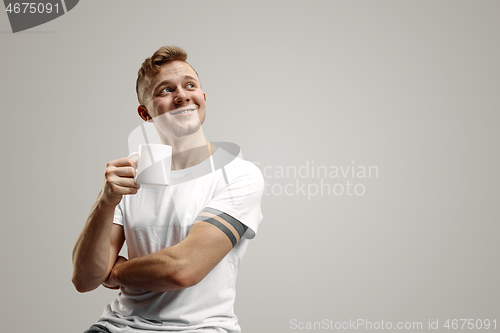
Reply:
x=126, y=171
x=119, y=180
x=110, y=283
x=119, y=190
x=122, y=162
x=120, y=260
x=121, y=176
x=109, y=287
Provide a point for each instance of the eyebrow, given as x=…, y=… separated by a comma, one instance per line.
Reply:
x=166, y=82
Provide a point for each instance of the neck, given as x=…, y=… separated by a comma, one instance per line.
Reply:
x=188, y=150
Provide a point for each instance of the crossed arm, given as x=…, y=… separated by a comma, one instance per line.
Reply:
x=180, y=266
x=176, y=267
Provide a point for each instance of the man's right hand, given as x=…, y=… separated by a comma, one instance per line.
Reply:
x=119, y=181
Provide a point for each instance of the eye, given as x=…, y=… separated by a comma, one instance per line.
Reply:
x=191, y=85
x=165, y=90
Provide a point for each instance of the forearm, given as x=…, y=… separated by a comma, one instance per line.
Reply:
x=160, y=271
x=91, y=254
x=177, y=267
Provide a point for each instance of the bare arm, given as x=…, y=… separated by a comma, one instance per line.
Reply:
x=179, y=266
x=100, y=241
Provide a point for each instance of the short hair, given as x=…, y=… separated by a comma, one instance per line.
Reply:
x=152, y=66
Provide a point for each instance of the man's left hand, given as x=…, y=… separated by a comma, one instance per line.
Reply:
x=110, y=283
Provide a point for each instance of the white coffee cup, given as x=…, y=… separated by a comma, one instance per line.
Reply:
x=153, y=164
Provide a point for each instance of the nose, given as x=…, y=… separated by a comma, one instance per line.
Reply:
x=181, y=96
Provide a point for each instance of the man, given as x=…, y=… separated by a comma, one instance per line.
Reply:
x=186, y=240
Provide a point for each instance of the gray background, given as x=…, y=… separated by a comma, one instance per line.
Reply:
x=408, y=86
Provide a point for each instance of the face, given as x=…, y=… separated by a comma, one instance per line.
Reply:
x=177, y=105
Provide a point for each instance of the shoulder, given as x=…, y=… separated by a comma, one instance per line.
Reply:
x=239, y=168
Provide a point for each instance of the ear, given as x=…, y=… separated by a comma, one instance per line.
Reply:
x=144, y=114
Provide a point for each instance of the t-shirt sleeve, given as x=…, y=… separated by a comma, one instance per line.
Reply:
x=118, y=217
x=241, y=195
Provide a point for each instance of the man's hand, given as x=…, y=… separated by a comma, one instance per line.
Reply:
x=119, y=181
x=111, y=283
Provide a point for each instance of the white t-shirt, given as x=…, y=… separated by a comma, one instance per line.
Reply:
x=161, y=216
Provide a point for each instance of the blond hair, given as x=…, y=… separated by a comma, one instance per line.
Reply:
x=151, y=66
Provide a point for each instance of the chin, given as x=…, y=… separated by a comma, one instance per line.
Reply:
x=180, y=131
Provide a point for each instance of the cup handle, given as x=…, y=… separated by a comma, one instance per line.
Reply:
x=134, y=162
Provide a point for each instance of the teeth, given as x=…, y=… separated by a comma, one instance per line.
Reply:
x=185, y=111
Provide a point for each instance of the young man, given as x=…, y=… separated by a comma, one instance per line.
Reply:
x=186, y=240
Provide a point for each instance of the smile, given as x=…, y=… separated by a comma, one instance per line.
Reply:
x=185, y=111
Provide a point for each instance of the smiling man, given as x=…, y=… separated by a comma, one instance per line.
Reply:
x=185, y=241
